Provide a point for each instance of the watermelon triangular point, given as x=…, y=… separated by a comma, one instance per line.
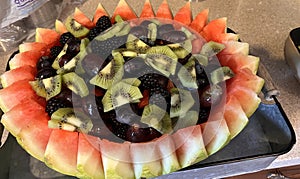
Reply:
x=25, y=58
x=200, y=21
x=147, y=11
x=123, y=10
x=214, y=28
x=34, y=46
x=21, y=73
x=184, y=14
x=82, y=19
x=60, y=27
x=47, y=36
x=99, y=12
x=164, y=11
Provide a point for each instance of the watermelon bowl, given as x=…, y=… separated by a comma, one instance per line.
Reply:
x=127, y=96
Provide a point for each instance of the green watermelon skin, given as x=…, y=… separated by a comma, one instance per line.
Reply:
x=89, y=160
x=61, y=152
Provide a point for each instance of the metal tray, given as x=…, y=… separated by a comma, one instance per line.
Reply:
x=267, y=135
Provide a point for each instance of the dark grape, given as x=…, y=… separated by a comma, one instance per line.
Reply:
x=164, y=29
x=174, y=36
x=145, y=23
x=64, y=59
x=73, y=46
x=210, y=95
x=44, y=62
x=136, y=134
x=139, y=31
x=45, y=73
x=92, y=64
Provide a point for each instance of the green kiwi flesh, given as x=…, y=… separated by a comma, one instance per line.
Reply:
x=187, y=74
x=112, y=72
x=38, y=87
x=135, y=44
x=211, y=48
x=221, y=74
x=76, y=28
x=119, y=94
x=163, y=59
x=75, y=61
x=55, y=64
x=52, y=86
x=79, y=120
x=75, y=83
x=181, y=102
x=157, y=118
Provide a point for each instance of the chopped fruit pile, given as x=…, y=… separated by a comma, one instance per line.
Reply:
x=94, y=91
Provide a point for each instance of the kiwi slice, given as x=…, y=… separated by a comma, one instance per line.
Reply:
x=58, y=124
x=181, y=49
x=79, y=120
x=163, y=59
x=126, y=52
x=152, y=32
x=132, y=81
x=110, y=32
x=135, y=44
x=190, y=118
x=75, y=83
x=181, y=102
x=187, y=74
x=211, y=48
x=55, y=64
x=119, y=94
x=201, y=59
x=157, y=118
x=125, y=30
x=52, y=86
x=75, y=61
x=76, y=28
x=112, y=72
x=38, y=87
x=221, y=74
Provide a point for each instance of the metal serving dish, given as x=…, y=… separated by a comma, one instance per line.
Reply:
x=292, y=51
x=267, y=135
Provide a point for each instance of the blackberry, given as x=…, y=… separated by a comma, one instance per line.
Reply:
x=105, y=47
x=103, y=23
x=54, y=104
x=154, y=81
x=54, y=51
x=65, y=37
x=94, y=32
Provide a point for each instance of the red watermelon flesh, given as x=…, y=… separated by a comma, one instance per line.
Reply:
x=82, y=19
x=34, y=46
x=167, y=151
x=116, y=159
x=61, y=152
x=244, y=77
x=100, y=11
x=200, y=21
x=22, y=73
x=214, y=28
x=16, y=94
x=239, y=61
x=14, y=119
x=235, y=117
x=47, y=36
x=34, y=136
x=145, y=166
x=189, y=145
x=25, y=58
x=184, y=14
x=234, y=47
x=60, y=27
x=147, y=11
x=248, y=98
x=164, y=11
x=123, y=10
x=89, y=162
